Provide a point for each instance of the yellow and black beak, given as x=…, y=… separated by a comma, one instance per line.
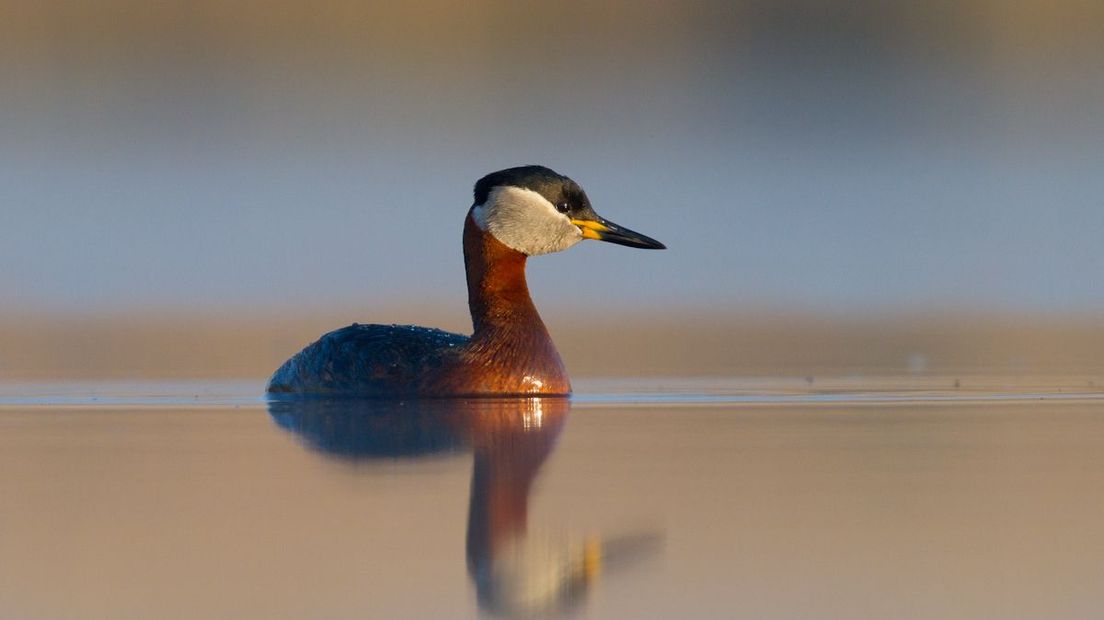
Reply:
x=604, y=230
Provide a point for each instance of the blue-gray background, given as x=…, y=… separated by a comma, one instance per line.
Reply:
x=813, y=155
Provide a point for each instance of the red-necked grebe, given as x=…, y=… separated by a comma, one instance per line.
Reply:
x=517, y=213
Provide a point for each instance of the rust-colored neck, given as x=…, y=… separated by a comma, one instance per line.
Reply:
x=510, y=350
x=498, y=296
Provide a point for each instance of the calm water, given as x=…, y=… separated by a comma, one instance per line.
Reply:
x=696, y=499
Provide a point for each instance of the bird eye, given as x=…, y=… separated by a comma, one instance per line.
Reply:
x=563, y=207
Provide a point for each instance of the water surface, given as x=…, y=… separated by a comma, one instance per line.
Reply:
x=706, y=501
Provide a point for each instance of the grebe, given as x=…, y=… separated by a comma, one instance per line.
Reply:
x=517, y=213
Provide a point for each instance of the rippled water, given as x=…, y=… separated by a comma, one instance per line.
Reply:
x=705, y=498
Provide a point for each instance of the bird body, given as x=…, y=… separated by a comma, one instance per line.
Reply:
x=518, y=212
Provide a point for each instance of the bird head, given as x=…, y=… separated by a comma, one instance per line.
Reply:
x=535, y=210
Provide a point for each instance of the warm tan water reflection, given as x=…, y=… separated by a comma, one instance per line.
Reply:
x=516, y=573
x=839, y=510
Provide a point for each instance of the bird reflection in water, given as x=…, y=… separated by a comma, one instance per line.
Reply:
x=516, y=573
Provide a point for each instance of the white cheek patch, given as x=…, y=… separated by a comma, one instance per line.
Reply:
x=525, y=221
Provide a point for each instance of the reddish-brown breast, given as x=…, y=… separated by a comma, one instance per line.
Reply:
x=510, y=351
